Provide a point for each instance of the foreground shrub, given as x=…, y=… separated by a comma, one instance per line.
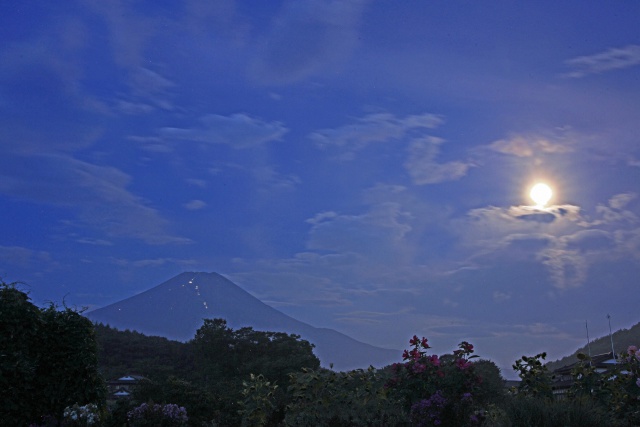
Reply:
x=155, y=415
x=81, y=416
x=48, y=360
x=535, y=377
x=616, y=390
x=438, y=391
x=527, y=411
x=355, y=398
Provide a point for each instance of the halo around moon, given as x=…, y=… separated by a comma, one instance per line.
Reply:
x=540, y=194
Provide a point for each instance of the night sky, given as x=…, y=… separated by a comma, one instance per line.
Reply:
x=358, y=165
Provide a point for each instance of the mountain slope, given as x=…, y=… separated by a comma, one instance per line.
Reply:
x=622, y=339
x=176, y=308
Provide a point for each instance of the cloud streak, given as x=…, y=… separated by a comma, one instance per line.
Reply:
x=237, y=130
x=424, y=169
x=372, y=129
x=609, y=60
x=97, y=194
x=306, y=37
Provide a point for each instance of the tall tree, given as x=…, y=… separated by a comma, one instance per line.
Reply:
x=48, y=359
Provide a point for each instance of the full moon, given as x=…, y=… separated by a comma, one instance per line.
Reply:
x=540, y=194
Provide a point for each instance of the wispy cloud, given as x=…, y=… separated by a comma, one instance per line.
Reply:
x=308, y=35
x=237, y=130
x=373, y=128
x=153, y=262
x=611, y=59
x=373, y=235
x=530, y=145
x=423, y=167
x=98, y=195
x=195, y=205
x=18, y=256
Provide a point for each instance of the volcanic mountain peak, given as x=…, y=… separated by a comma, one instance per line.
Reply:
x=176, y=308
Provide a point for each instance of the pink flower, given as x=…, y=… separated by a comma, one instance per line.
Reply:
x=632, y=350
x=465, y=346
x=415, y=354
x=419, y=367
x=424, y=343
x=434, y=360
x=405, y=355
x=462, y=364
x=414, y=340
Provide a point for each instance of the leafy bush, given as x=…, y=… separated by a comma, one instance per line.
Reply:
x=528, y=411
x=259, y=401
x=48, y=360
x=356, y=398
x=155, y=415
x=535, y=378
x=436, y=390
x=81, y=416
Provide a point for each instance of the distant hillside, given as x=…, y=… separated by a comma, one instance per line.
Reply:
x=622, y=339
x=176, y=308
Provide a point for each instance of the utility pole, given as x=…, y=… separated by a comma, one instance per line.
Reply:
x=586, y=325
x=615, y=360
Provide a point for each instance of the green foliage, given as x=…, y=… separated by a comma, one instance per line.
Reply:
x=356, y=398
x=491, y=388
x=252, y=378
x=156, y=415
x=81, y=416
x=587, y=381
x=47, y=360
x=535, y=378
x=201, y=404
x=229, y=356
x=205, y=375
x=619, y=388
x=438, y=390
x=224, y=358
x=68, y=366
x=258, y=403
x=127, y=352
x=20, y=323
x=616, y=390
x=529, y=411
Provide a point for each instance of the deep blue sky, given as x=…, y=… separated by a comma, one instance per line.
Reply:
x=359, y=165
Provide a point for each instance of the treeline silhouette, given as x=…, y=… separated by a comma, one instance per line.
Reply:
x=205, y=374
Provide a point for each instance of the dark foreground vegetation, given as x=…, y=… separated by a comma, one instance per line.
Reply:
x=53, y=363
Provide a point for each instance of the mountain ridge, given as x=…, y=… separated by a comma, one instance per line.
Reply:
x=622, y=339
x=175, y=309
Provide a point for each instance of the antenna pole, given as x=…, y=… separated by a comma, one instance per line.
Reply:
x=613, y=352
x=586, y=325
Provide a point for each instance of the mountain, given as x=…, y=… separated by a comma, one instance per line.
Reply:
x=622, y=339
x=176, y=308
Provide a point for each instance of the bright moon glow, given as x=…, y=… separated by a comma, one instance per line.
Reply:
x=540, y=194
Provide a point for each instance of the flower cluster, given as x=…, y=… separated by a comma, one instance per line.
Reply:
x=632, y=353
x=436, y=390
x=464, y=351
x=419, y=345
x=85, y=415
x=428, y=412
x=158, y=415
